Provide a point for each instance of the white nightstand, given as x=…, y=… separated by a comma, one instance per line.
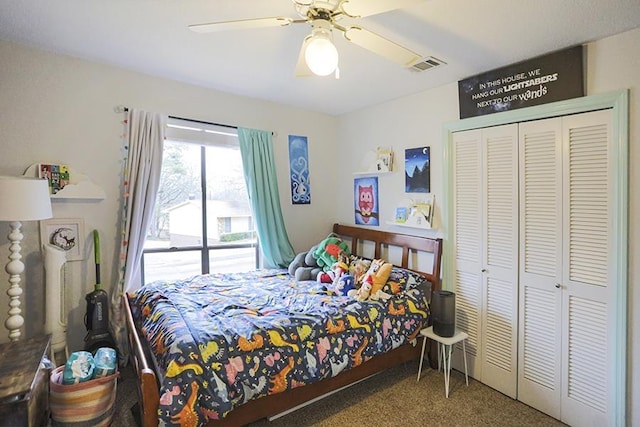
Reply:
x=445, y=345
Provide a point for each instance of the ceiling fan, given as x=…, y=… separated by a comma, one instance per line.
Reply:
x=318, y=54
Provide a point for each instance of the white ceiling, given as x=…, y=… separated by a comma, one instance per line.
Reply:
x=151, y=36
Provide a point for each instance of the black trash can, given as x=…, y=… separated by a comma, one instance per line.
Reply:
x=443, y=311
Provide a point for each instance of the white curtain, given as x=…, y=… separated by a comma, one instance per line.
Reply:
x=141, y=177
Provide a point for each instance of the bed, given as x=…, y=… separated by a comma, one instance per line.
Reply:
x=280, y=342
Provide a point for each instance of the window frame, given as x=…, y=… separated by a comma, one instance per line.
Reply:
x=185, y=126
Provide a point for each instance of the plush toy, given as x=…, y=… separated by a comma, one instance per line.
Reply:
x=337, y=270
x=309, y=259
x=377, y=274
x=344, y=284
x=358, y=268
x=329, y=251
x=363, y=293
x=297, y=262
x=304, y=267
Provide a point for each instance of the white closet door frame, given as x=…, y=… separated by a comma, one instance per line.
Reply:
x=618, y=102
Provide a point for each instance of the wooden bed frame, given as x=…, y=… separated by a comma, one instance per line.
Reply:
x=148, y=388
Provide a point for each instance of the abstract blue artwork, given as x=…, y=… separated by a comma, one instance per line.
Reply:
x=299, y=170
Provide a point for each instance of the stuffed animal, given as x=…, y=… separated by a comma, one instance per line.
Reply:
x=377, y=275
x=304, y=267
x=329, y=251
x=337, y=270
x=344, y=284
x=358, y=268
x=364, y=292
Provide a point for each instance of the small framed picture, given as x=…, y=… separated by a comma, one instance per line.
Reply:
x=401, y=214
x=67, y=234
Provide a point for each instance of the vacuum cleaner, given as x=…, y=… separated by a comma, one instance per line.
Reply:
x=96, y=318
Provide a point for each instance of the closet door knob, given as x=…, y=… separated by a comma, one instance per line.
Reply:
x=484, y=270
x=558, y=285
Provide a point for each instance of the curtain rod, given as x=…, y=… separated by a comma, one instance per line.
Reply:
x=122, y=109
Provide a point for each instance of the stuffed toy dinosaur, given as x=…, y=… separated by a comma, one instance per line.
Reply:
x=329, y=252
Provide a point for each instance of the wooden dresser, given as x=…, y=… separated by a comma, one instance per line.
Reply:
x=24, y=382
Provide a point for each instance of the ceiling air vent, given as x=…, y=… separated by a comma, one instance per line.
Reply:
x=426, y=64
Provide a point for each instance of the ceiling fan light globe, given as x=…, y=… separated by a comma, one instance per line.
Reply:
x=321, y=56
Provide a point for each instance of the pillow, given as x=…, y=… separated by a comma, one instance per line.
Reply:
x=401, y=279
x=329, y=251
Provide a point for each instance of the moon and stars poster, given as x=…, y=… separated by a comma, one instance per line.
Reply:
x=417, y=170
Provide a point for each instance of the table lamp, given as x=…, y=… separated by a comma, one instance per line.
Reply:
x=23, y=199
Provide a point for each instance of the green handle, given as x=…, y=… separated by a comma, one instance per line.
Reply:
x=96, y=246
x=96, y=249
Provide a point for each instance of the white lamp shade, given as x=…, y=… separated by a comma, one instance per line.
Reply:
x=321, y=55
x=24, y=199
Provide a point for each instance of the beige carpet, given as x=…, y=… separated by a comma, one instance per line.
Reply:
x=392, y=398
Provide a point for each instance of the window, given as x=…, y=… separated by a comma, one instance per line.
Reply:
x=202, y=221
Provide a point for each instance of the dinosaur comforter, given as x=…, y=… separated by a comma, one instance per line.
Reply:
x=223, y=339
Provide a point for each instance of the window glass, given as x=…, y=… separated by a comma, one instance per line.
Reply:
x=171, y=265
x=202, y=193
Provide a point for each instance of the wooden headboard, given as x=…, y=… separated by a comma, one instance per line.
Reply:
x=383, y=240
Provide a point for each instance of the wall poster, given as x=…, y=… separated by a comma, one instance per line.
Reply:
x=67, y=234
x=365, y=196
x=299, y=170
x=417, y=170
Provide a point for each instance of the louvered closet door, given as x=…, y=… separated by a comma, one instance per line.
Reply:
x=467, y=241
x=539, y=354
x=565, y=351
x=500, y=261
x=587, y=350
x=486, y=248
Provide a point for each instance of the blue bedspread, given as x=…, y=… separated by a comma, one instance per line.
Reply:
x=224, y=339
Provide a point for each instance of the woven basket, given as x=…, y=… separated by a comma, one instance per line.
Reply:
x=90, y=403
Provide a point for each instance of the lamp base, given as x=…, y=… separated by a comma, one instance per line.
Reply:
x=14, y=268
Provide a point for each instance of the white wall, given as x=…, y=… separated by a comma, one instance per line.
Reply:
x=612, y=64
x=60, y=109
x=409, y=122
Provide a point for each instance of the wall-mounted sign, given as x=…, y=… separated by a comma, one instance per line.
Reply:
x=548, y=78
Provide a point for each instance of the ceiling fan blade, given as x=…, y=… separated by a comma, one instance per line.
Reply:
x=243, y=24
x=381, y=46
x=302, y=70
x=359, y=8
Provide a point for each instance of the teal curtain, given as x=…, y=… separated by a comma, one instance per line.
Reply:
x=258, y=162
